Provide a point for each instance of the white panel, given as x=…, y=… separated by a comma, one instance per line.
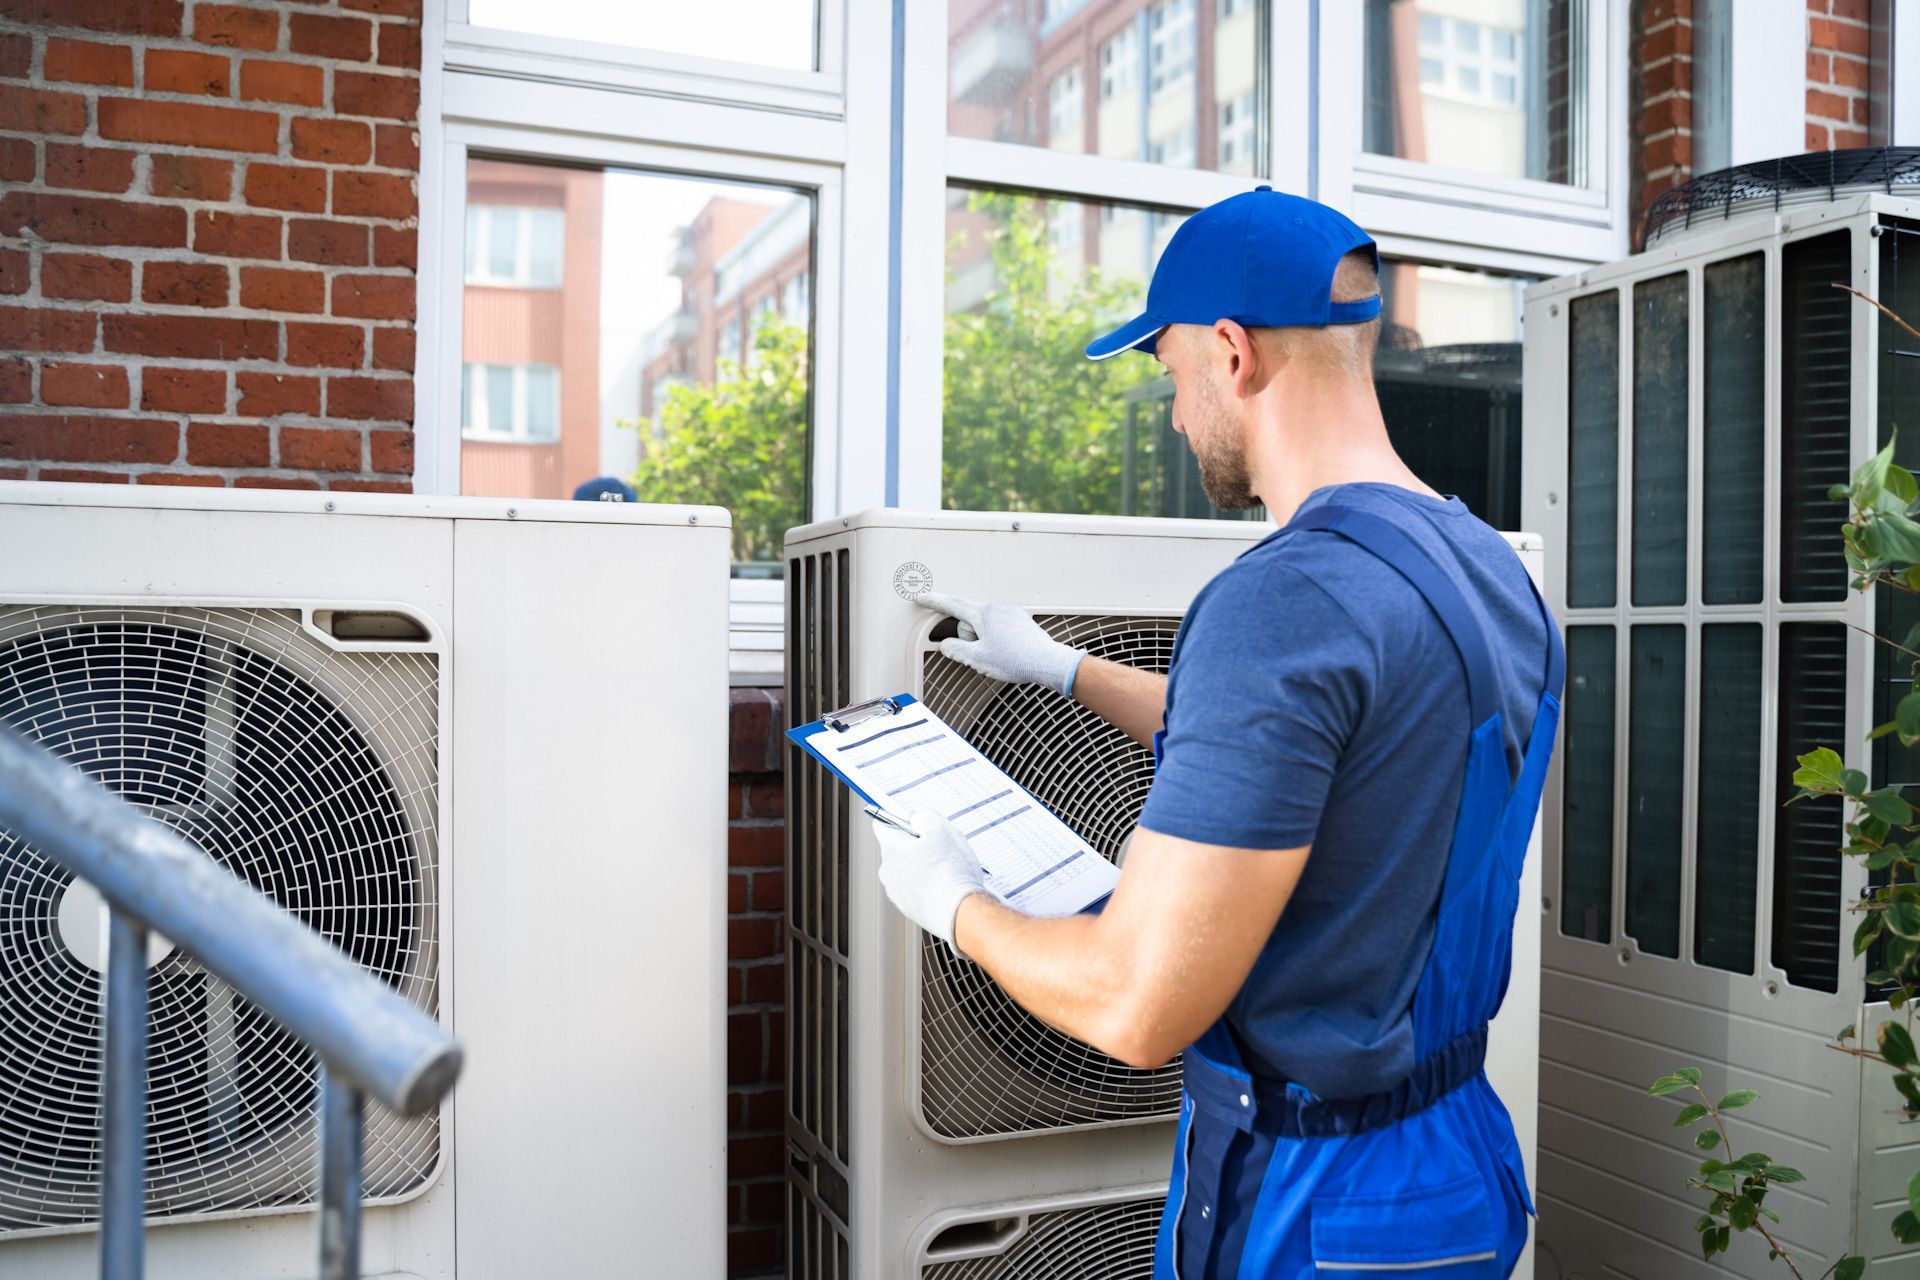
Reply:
x=1768, y=117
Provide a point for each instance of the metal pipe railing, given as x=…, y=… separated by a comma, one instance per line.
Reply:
x=370, y=1041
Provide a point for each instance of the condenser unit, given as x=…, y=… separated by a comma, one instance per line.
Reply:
x=935, y=1129
x=480, y=747
x=1687, y=410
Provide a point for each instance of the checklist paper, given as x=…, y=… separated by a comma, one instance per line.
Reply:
x=907, y=759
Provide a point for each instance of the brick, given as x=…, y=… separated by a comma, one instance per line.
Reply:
x=1839, y=37
x=769, y=891
x=393, y=349
x=129, y=17
x=765, y=1200
x=1674, y=151
x=166, y=390
x=765, y=800
x=396, y=247
x=736, y=894
x=753, y=1250
x=325, y=346
x=371, y=486
x=275, y=482
x=755, y=1157
x=19, y=161
x=86, y=278
x=189, y=177
x=1862, y=112
x=297, y=83
x=396, y=146
x=1856, y=10
x=283, y=289
x=391, y=451
x=1669, y=113
x=196, y=479
x=84, y=386
x=383, y=399
x=267, y=395
x=12, y=473
x=46, y=329
x=67, y=476
x=27, y=110
x=16, y=55
x=229, y=444
x=184, y=284
x=332, y=142
x=1850, y=73
x=88, y=168
x=751, y=745
x=319, y=449
x=373, y=195
x=753, y=938
x=192, y=337
x=323, y=36
x=1818, y=139
x=236, y=235
x=16, y=271
x=1819, y=67
x=16, y=385
x=361, y=93
x=746, y=1048
x=92, y=220
x=184, y=71
x=1830, y=106
x=63, y=437
x=373, y=297
x=85, y=62
x=189, y=124
x=290, y=187
x=403, y=8
x=766, y=984
x=756, y=846
x=400, y=45
x=1673, y=74
x=1843, y=138
x=339, y=244
x=232, y=27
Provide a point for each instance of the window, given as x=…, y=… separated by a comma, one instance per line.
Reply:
x=1238, y=128
x=508, y=245
x=1119, y=64
x=702, y=280
x=1170, y=44
x=511, y=402
x=1450, y=83
x=1064, y=113
x=771, y=33
x=1176, y=149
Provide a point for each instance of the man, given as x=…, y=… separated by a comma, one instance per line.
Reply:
x=1318, y=905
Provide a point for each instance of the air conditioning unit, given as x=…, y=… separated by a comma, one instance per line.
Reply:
x=1686, y=411
x=935, y=1129
x=478, y=746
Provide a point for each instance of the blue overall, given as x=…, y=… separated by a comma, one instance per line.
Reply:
x=1273, y=1183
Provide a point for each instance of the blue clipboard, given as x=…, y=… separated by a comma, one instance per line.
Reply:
x=840, y=722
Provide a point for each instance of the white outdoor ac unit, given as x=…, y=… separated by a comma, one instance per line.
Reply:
x=935, y=1129
x=481, y=747
x=1687, y=410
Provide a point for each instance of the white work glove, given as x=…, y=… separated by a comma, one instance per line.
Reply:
x=929, y=873
x=1004, y=642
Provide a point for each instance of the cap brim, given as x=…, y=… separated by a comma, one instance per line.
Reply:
x=1137, y=334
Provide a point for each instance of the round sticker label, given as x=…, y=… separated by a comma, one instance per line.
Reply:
x=912, y=580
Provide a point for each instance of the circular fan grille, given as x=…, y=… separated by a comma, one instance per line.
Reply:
x=988, y=1067
x=308, y=773
x=1100, y=1242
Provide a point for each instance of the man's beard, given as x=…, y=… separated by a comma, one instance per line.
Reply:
x=1223, y=463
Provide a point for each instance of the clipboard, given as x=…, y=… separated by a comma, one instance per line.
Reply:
x=1032, y=860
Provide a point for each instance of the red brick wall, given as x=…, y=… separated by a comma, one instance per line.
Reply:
x=756, y=985
x=1662, y=108
x=207, y=241
x=1838, y=43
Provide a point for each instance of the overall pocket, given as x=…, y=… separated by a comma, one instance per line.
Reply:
x=1447, y=1232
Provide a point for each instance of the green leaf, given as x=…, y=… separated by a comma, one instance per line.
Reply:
x=1896, y=1046
x=1875, y=978
x=1669, y=1084
x=1738, y=1098
x=1853, y=782
x=1851, y=1268
x=1721, y=1180
x=1900, y=484
x=1909, y=1089
x=1888, y=806
x=1707, y=1139
x=1705, y=1222
x=1870, y=477
x=1752, y=1162
x=1913, y=1190
x=1907, y=716
x=1740, y=1213
x=1689, y=1115
x=1820, y=768
x=1881, y=859
x=1844, y=1034
x=1838, y=493
x=1906, y=1228
x=1781, y=1173
x=1866, y=931
x=1690, y=1074
x=1904, y=919
x=1880, y=731
x=1897, y=537
x=1768, y=1213
x=1720, y=1239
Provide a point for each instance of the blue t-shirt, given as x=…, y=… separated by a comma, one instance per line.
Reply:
x=1316, y=699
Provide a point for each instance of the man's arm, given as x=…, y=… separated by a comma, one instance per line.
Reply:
x=1131, y=700
x=1145, y=978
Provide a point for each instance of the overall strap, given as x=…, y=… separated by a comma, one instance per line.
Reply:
x=1462, y=619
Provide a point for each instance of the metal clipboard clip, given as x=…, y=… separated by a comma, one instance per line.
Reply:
x=844, y=719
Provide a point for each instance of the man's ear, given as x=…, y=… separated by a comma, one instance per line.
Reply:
x=1240, y=355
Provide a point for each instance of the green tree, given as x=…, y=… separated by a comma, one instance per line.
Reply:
x=740, y=443
x=1030, y=423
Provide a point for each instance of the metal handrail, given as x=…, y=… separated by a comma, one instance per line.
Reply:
x=369, y=1039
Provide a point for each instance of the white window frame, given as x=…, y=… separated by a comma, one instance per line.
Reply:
x=475, y=372
x=522, y=250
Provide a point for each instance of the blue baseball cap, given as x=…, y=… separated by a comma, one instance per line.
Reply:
x=1262, y=258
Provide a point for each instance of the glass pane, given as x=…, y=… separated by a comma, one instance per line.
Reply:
x=1815, y=410
x=768, y=33
x=1727, y=857
x=1733, y=335
x=1586, y=841
x=503, y=243
x=1490, y=86
x=1030, y=423
x=1660, y=441
x=616, y=343
x=1807, y=833
x=1448, y=375
x=1656, y=731
x=1593, y=449
x=1152, y=80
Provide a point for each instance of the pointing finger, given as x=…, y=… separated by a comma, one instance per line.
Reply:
x=967, y=611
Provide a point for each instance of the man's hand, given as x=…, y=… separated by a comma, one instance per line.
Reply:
x=929, y=873
x=1004, y=642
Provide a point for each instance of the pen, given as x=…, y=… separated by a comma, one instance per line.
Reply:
x=898, y=824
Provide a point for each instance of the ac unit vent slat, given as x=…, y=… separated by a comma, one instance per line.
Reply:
x=1096, y=1242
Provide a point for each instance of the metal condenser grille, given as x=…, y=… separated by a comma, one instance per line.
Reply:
x=1099, y=1242
x=987, y=1067
x=307, y=772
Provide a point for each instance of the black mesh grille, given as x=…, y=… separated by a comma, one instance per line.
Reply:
x=1815, y=177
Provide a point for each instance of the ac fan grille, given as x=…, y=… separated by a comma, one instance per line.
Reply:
x=987, y=1067
x=309, y=773
x=1097, y=1242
